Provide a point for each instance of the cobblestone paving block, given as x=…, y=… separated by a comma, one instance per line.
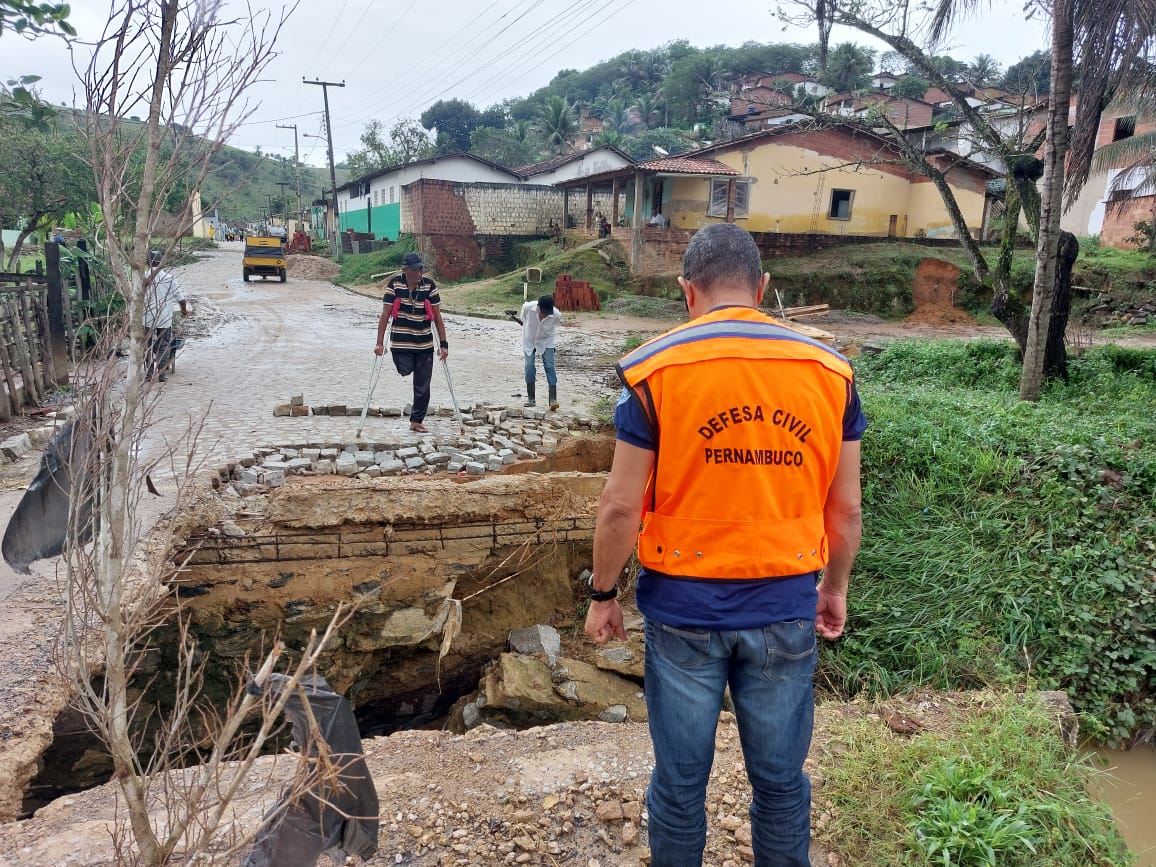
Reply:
x=297, y=400
x=288, y=453
x=455, y=466
x=408, y=452
x=548, y=446
x=381, y=457
x=475, y=469
x=524, y=453
x=507, y=456
x=311, y=454
x=346, y=465
x=363, y=458
x=16, y=447
x=272, y=478
x=339, y=409
x=249, y=476
x=371, y=472
x=436, y=458
x=494, y=464
x=296, y=465
x=392, y=468
x=282, y=410
x=328, y=453
x=414, y=462
x=324, y=467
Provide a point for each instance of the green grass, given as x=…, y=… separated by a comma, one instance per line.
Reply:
x=359, y=269
x=602, y=267
x=1108, y=268
x=1002, y=536
x=997, y=788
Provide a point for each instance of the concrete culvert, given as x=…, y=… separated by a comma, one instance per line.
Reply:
x=510, y=547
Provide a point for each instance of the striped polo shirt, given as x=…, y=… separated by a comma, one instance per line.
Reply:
x=411, y=329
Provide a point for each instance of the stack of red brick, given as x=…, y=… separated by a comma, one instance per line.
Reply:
x=574, y=294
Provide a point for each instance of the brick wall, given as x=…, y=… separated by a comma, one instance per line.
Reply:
x=460, y=226
x=1120, y=216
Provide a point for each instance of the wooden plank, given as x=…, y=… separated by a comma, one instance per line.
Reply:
x=12, y=401
x=57, y=336
x=20, y=351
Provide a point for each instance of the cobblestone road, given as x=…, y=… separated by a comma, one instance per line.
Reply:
x=270, y=341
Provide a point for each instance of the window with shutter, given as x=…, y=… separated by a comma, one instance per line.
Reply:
x=718, y=198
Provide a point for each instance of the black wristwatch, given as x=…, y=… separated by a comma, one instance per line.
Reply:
x=600, y=595
x=445, y=344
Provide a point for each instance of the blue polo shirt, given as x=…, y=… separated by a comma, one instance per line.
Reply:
x=722, y=605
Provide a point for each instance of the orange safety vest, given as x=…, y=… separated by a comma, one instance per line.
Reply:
x=746, y=417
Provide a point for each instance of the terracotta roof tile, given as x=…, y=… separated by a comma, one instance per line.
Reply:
x=688, y=166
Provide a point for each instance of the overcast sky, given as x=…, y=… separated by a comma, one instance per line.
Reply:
x=399, y=56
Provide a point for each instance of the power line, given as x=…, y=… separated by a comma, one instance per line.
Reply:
x=558, y=50
x=357, y=24
x=378, y=40
x=559, y=22
x=541, y=32
x=336, y=18
x=479, y=36
x=428, y=92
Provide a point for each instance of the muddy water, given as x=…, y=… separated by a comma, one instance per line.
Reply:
x=1129, y=787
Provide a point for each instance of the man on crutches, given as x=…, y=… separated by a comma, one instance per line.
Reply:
x=412, y=301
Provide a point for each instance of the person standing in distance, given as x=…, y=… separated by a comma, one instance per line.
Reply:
x=161, y=292
x=413, y=301
x=754, y=493
x=539, y=323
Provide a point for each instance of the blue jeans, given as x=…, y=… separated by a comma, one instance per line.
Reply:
x=547, y=365
x=769, y=671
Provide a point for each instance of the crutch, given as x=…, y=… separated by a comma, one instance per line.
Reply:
x=374, y=376
x=457, y=409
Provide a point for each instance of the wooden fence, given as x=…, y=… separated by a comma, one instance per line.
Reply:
x=36, y=331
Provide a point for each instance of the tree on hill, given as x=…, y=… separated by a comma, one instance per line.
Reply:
x=848, y=66
x=511, y=147
x=983, y=70
x=911, y=86
x=454, y=120
x=407, y=143
x=558, y=123
x=1031, y=76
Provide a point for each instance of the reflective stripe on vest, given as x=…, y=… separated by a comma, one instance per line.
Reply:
x=749, y=418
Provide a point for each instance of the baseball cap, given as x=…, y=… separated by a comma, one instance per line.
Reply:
x=412, y=260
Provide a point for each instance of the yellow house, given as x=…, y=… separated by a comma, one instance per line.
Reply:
x=790, y=179
x=829, y=181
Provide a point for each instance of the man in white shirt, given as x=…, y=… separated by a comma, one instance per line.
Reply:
x=162, y=291
x=539, y=323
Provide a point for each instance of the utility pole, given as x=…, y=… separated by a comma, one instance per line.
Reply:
x=283, y=185
x=325, y=85
x=296, y=163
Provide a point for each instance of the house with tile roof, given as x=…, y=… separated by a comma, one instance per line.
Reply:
x=790, y=179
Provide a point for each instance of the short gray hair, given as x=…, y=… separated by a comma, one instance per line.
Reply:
x=722, y=252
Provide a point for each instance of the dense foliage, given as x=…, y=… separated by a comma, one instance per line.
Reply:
x=1005, y=538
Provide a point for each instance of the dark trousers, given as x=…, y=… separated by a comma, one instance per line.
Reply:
x=160, y=354
x=419, y=362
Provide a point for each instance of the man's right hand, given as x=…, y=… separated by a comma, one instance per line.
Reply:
x=380, y=348
x=604, y=621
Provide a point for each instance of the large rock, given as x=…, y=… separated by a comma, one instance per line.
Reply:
x=537, y=639
x=625, y=658
x=16, y=447
x=523, y=690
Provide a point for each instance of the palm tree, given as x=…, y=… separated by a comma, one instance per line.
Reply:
x=848, y=65
x=983, y=69
x=647, y=107
x=615, y=116
x=608, y=136
x=558, y=122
